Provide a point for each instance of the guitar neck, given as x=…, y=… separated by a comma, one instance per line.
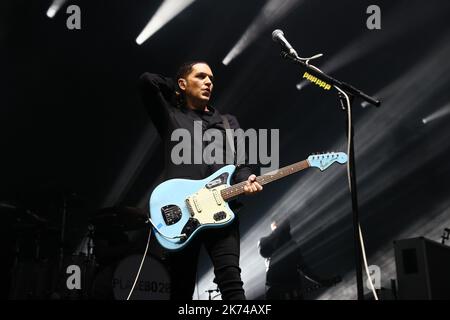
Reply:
x=237, y=189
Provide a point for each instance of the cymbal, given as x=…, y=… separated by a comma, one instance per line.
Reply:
x=120, y=218
x=8, y=207
x=21, y=216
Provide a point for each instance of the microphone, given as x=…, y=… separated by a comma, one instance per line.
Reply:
x=278, y=36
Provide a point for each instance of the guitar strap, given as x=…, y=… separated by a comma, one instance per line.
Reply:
x=237, y=206
x=229, y=135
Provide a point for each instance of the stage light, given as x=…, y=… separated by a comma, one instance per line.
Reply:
x=132, y=168
x=166, y=12
x=54, y=8
x=272, y=12
x=441, y=112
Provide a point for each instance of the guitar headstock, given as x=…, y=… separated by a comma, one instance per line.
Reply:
x=324, y=160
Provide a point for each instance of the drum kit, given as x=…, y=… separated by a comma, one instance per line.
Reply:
x=102, y=265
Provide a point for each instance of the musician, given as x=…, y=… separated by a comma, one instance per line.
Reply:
x=177, y=104
x=286, y=265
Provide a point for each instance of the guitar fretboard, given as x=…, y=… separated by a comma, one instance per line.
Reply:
x=237, y=189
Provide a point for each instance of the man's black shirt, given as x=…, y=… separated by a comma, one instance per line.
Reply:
x=159, y=98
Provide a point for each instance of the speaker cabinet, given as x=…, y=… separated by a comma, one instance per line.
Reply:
x=423, y=269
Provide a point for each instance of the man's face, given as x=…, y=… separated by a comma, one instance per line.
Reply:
x=197, y=85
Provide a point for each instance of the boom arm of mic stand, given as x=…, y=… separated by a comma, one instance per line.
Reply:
x=344, y=86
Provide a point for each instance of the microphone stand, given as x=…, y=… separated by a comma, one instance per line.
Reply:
x=336, y=83
x=345, y=91
x=210, y=293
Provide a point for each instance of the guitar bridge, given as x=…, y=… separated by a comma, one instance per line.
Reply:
x=189, y=206
x=171, y=214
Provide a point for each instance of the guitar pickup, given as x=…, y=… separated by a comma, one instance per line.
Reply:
x=196, y=204
x=217, y=197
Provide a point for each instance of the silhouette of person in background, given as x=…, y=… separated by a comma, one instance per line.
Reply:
x=285, y=265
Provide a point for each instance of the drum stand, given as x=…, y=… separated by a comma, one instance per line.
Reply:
x=210, y=293
x=55, y=295
x=89, y=264
x=15, y=270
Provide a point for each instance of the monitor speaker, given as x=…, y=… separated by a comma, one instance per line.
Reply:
x=423, y=269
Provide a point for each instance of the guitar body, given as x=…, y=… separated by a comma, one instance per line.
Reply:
x=179, y=208
x=182, y=206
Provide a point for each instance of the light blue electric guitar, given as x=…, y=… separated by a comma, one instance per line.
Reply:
x=179, y=208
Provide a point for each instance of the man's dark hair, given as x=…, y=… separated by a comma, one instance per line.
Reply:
x=282, y=233
x=184, y=70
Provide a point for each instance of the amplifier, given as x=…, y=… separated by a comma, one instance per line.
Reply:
x=423, y=269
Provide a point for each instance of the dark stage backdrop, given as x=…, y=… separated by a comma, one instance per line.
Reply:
x=72, y=124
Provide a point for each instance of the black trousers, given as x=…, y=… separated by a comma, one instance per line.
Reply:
x=223, y=247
